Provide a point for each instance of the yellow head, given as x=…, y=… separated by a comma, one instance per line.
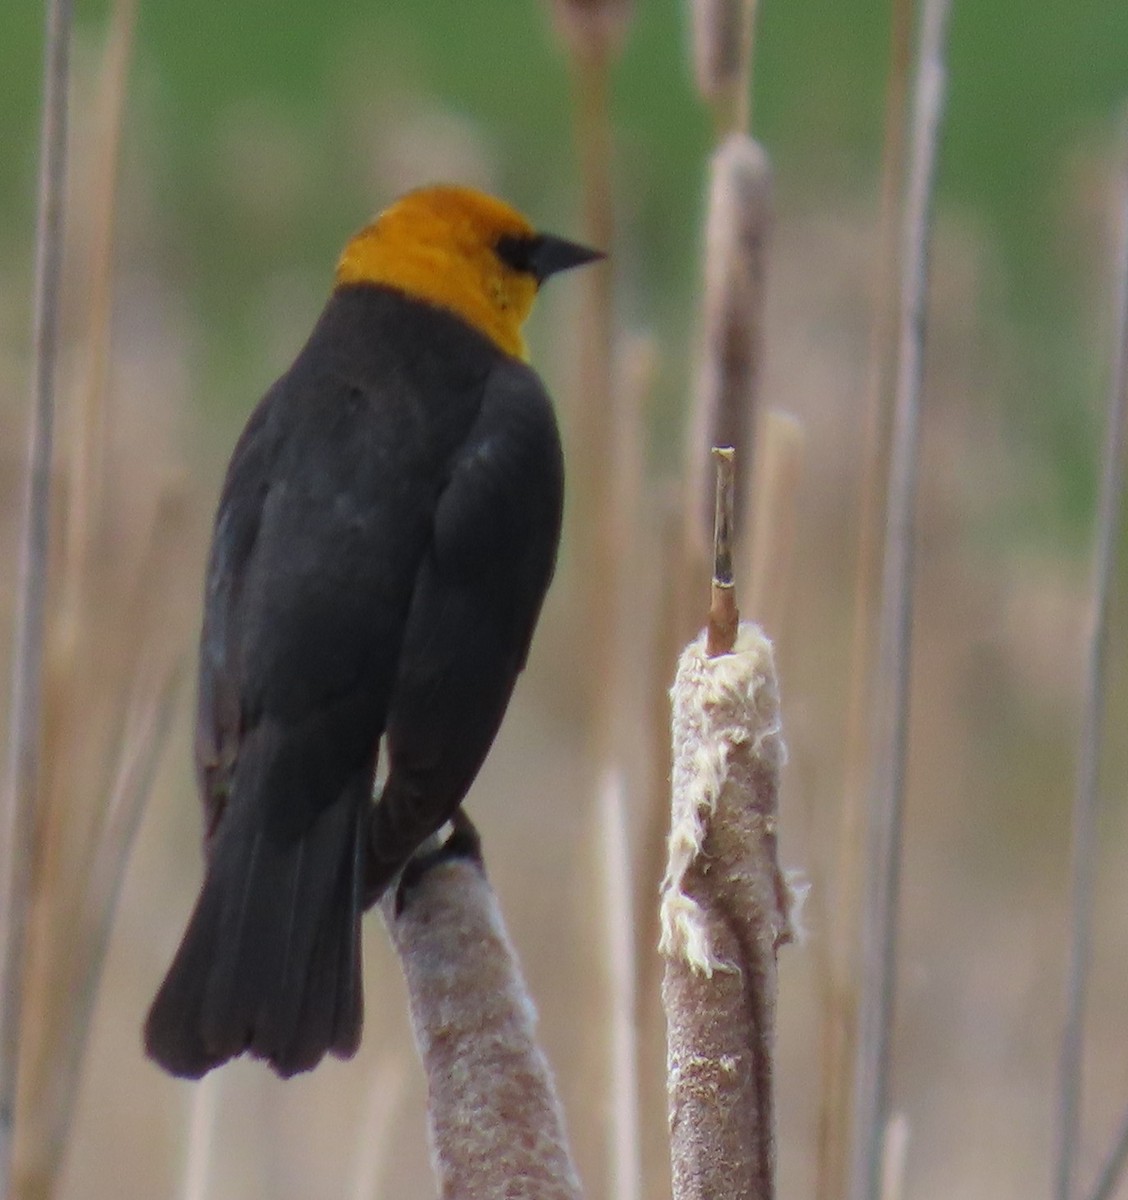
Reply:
x=463, y=251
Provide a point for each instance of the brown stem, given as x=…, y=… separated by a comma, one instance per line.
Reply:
x=891, y=707
x=723, y=615
x=1086, y=797
x=21, y=781
x=840, y=998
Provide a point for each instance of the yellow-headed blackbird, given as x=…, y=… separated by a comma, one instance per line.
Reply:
x=386, y=532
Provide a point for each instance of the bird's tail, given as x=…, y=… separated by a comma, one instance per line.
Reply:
x=270, y=962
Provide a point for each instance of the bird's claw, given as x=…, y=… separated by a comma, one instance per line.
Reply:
x=464, y=843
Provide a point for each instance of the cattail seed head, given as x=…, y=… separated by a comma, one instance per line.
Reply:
x=722, y=47
x=726, y=909
x=592, y=28
x=736, y=233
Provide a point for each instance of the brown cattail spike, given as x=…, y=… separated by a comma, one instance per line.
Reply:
x=726, y=909
x=737, y=228
x=722, y=57
x=593, y=28
x=723, y=614
x=496, y=1125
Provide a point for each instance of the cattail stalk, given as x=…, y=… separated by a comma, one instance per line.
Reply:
x=840, y=998
x=597, y=554
x=773, y=510
x=202, y=1119
x=724, y=617
x=891, y=710
x=725, y=911
x=85, y=488
x=619, y=928
x=895, y=1158
x=21, y=780
x=75, y=900
x=1114, y=1165
x=1086, y=797
x=592, y=31
x=46, y=1125
x=496, y=1125
x=374, y=1131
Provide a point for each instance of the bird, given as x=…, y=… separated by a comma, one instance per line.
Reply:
x=386, y=532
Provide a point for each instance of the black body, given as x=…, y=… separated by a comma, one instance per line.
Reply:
x=386, y=533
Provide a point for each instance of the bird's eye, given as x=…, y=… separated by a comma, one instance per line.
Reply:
x=518, y=251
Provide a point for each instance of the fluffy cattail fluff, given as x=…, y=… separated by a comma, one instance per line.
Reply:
x=726, y=909
x=736, y=233
x=593, y=27
x=722, y=48
x=496, y=1125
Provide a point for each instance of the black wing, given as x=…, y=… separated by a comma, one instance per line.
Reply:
x=218, y=721
x=325, y=516
x=477, y=598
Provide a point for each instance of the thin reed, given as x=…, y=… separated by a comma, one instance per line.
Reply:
x=771, y=541
x=840, y=991
x=1112, y=1170
x=21, y=779
x=1087, y=794
x=621, y=956
x=109, y=685
x=891, y=700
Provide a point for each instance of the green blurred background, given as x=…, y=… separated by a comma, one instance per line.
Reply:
x=1034, y=86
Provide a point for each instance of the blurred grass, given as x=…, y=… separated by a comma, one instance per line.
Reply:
x=1031, y=86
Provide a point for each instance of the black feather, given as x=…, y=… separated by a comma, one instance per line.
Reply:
x=386, y=533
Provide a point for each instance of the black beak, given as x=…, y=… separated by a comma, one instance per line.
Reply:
x=543, y=255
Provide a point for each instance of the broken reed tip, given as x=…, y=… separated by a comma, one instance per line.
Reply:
x=724, y=617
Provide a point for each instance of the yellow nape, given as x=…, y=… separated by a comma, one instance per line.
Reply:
x=439, y=244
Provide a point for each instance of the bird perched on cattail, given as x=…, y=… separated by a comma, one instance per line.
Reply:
x=386, y=533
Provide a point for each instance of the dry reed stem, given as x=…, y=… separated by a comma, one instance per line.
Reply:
x=773, y=509
x=652, y=836
x=722, y=36
x=1114, y=1165
x=597, y=556
x=619, y=930
x=203, y=1112
x=725, y=399
x=43, y=1149
x=636, y=364
x=724, y=617
x=374, y=1132
x=726, y=909
x=496, y=1126
x=840, y=999
x=1086, y=797
x=89, y=449
x=87, y=824
x=21, y=779
x=895, y=1158
x=891, y=707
